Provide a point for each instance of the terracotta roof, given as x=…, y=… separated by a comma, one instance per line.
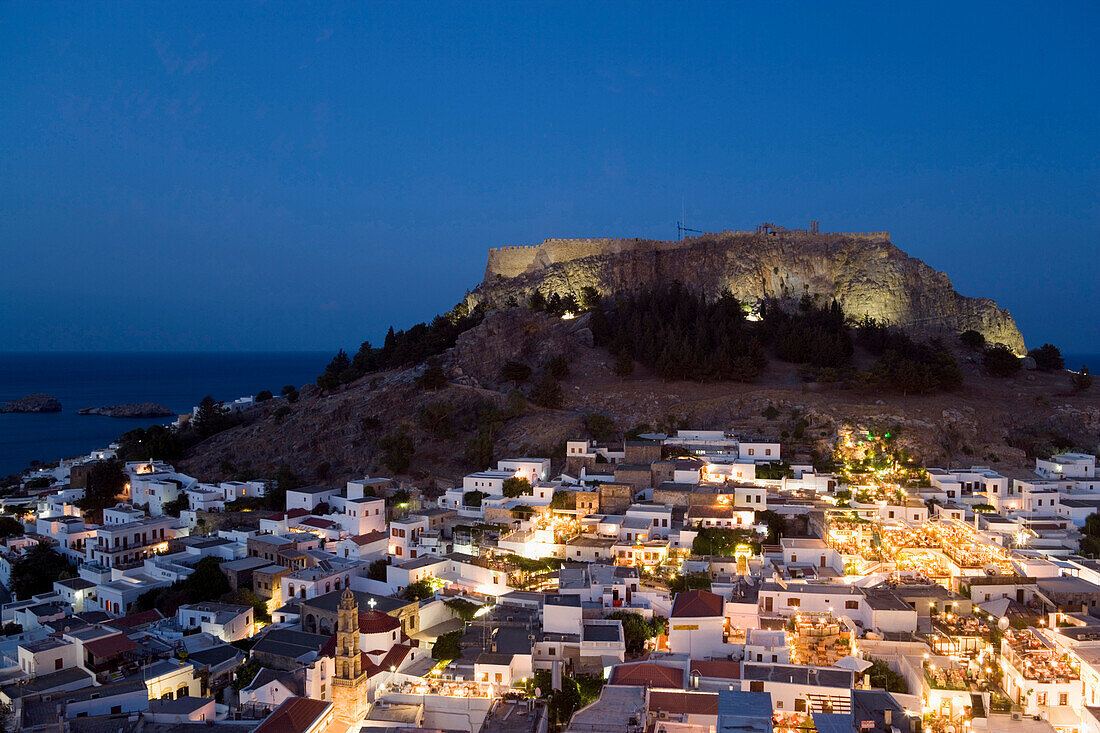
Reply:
x=141, y=618
x=696, y=604
x=317, y=522
x=393, y=658
x=295, y=513
x=375, y=622
x=369, y=537
x=647, y=674
x=699, y=703
x=721, y=668
x=294, y=715
x=110, y=646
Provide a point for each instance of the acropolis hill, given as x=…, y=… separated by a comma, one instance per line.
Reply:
x=863, y=271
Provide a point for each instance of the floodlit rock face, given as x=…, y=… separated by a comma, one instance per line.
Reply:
x=864, y=272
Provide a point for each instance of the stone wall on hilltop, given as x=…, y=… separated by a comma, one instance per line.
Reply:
x=864, y=272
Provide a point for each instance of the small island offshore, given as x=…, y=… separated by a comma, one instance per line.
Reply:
x=133, y=409
x=32, y=403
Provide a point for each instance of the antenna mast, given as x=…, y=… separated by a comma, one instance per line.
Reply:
x=681, y=226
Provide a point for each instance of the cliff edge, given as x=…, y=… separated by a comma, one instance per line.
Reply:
x=864, y=272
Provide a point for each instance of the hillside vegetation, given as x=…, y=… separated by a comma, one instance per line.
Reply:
x=523, y=379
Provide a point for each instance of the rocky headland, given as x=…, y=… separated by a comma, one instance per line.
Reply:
x=133, y=409
x=33, y=403
x=864, y=272
x=346, y=429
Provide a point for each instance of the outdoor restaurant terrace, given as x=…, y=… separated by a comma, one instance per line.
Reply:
x=1035, y=659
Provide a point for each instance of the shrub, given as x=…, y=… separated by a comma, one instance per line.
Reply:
x=448, y=646
x=377, y=569
x=435, y=418
x=465, y=609
x=517, y=403
x=600, y=427
x=558, y=367
x=547, y=393
x=264, y=395
x=1048, y=358
x=516, y=486
x=720, y=541
x=433, y=377
x=1000, y=361
x=397, y=447
x=418, y=591
x=473, y=499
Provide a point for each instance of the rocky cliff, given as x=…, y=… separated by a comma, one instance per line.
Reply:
x=864, y=272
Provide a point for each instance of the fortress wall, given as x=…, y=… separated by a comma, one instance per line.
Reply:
x=511, y=261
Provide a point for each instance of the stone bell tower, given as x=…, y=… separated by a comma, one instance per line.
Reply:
x=349, y=687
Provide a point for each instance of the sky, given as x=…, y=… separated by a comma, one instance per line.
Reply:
x=299, y=176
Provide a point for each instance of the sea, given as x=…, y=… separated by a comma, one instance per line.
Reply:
x=176, y=380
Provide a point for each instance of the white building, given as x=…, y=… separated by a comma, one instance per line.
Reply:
x=45, y=656
x=171, y=679
x=117, y=597
x=782, y=599
x=225, y=621
x=77, y=592
x=365, y=547
x=324, y=577
x=977, y=480
x=362, y=516
x=487, y=482
x=532, y=469
x=309, y=497
x=766, y=645
x=405, y=536
x=121, y=543
x=697, y=625
x=1067, y=465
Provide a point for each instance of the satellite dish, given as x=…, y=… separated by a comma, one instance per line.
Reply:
x=538, y=692
x=1002, y=623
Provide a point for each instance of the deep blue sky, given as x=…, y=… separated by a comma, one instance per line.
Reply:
x=232, y=175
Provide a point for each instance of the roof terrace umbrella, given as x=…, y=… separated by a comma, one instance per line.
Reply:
x=855, y=664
